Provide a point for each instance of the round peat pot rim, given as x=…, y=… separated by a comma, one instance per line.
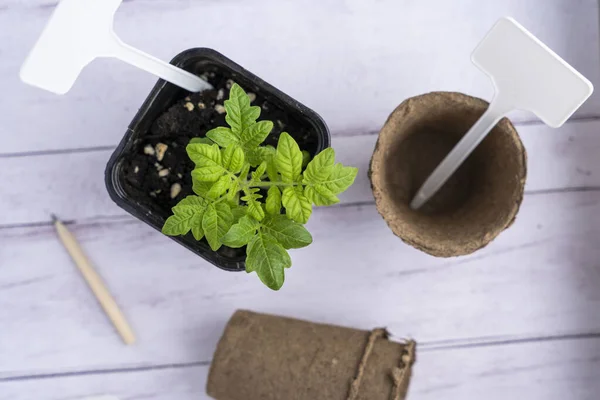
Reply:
x=480, y=200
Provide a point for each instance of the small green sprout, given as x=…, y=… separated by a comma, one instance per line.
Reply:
x=231, y=169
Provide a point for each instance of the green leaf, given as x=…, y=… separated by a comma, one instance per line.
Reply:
x=256, y=133
x=288, y=159
x=178, y=224
x=197, y=229
x=340, y=178
x=238, y=212
x=269, y=259
x=219, y=187
x=253, y=156
x=233, y=159
x=273, y=202
x=297, y=206
x=290, y=234
x=319, y=195
x=233, y=191
x=251, y=194
x=240, y=114
x=216, y=222
x=207, y=174
x=272, y=171
x=251, y=198
x=256, y=210
x=203, y=140
x=193, y=203
x=223, y=136
x=319, y=169
x=305, y=158
x=324, y=180
x=201, y=188
x=245, y=171
x=267, y=153
x=260, y=171
x=259, y=154
x=204, y=155
x=241, y=233
x=187, y=215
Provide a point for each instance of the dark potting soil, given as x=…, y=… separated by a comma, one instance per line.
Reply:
x=158, y=171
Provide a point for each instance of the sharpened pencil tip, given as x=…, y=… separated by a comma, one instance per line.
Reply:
x=54, y=218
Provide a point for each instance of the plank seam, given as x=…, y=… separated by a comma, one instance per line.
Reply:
x=126, y=218
x=493, y=342
x=159, y=367
x=423, y=347
x=343, y=134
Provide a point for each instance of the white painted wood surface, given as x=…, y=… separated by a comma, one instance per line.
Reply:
x=539, y=278
x=519, y=318
x=360, y=57
x=517, y=370
x=559, y=159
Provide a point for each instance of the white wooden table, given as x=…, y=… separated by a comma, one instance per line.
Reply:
x=519, y=319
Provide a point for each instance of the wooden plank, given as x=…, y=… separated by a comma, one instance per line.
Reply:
x=538, y=278
x=370, y=56
x=71, y=184
x=541, y=370
x=566, y=369
x=156, y=384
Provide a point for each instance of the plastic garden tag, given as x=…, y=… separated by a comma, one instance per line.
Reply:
x=527, y=75
x=80, y=31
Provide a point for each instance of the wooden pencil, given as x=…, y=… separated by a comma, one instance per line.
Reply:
x=95, y=282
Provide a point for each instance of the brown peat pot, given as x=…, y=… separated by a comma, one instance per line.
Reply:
x=480, y=200
x=268, y=357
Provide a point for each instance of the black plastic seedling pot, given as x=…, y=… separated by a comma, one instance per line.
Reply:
x=168, y=98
